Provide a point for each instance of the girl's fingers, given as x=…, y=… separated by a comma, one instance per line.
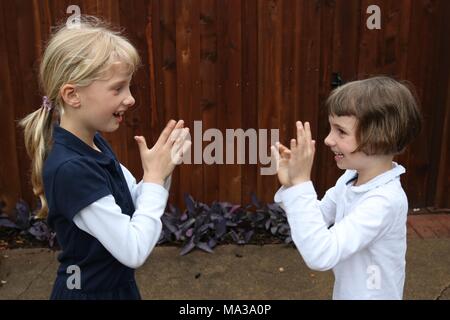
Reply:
x=182, y=138
x=180, y=124
x=177, y=146
x=166, y=132
x=284, y=152
x=175, y=151
x=293, y=144
x=180, y=146
x=300, y=131
x=142, y=144
x=186, y=146
x=177, y=156
x=283, y=148
x=307, y=132
x=177, y=132
x=274, y=154
x=185, y=135
x=300, y=135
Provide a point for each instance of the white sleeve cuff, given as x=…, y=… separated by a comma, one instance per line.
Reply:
x=288, y=195
x=151, y=194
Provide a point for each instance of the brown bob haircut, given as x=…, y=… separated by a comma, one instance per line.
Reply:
x=387, y=112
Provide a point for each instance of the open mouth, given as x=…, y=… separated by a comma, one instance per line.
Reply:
x=118, y=115
x=338, y=155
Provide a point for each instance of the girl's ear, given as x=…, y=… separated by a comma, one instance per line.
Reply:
x=70, y=95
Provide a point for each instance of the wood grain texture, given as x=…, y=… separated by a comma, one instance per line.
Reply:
x=233, y=64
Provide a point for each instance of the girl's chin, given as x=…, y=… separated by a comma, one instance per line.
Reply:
x=341, y=165
x=109, y=128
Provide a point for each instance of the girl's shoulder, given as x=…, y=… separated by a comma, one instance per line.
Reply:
x=78, y=156
x=73, y=169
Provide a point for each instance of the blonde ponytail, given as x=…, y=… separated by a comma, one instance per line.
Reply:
x=38, y=129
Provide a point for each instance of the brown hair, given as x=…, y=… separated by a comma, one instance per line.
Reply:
x=387, y=112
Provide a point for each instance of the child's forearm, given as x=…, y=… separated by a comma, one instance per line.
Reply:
x=309, y=231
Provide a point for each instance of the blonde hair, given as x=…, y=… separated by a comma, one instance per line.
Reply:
x=388, y=114
x=76, y=55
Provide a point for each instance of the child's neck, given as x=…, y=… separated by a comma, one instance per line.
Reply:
x=380, y=165
x=83, y=134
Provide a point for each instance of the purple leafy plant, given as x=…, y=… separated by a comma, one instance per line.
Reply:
x=204, y=227
x=199, y=226
x=26, y=222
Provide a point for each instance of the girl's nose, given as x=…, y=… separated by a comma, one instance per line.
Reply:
x=328, y=140
x=129, y=101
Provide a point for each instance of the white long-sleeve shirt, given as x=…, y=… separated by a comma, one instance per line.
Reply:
x=129, y=240
x=366, y=245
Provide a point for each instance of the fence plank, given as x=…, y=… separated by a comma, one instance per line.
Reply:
x=208, y=101
x=309, y=67
x=422, y=20
x=229, y=93
x=249, y=90
x=269, y=82
x=188, y=91
x=10, y=179
x=166, y=68
x=440, y=93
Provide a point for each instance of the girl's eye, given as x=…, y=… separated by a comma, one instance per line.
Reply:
x=341, y=131
x=118, y=89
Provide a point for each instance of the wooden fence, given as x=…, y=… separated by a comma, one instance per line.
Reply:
x=243, y=64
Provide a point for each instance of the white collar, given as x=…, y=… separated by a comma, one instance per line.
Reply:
x=379, y=180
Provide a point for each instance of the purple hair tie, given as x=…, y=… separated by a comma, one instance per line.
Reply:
x=46, y=103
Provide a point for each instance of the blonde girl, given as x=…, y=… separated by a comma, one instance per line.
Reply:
x=106, y=224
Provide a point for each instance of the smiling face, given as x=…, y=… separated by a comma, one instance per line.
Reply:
x=104, y=101
x=342, y=141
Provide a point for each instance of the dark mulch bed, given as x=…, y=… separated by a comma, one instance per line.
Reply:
x=14, y=239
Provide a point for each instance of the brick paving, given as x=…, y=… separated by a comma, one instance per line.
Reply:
x=429, y=226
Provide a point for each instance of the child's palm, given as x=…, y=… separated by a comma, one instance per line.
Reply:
x=282, y=155
x=302, y=155
x=283, y=172
x=159, y=161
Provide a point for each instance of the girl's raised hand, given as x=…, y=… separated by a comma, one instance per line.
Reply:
x=281, y=155
x=159, y=161
x=302, y=154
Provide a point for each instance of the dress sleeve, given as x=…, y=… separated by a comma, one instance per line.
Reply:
x=129, y=239
x=78, y=183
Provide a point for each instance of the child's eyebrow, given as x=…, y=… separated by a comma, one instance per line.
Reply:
x=119, y=82
x=338, y=126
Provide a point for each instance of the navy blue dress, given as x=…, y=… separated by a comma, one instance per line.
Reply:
x=75, y=175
